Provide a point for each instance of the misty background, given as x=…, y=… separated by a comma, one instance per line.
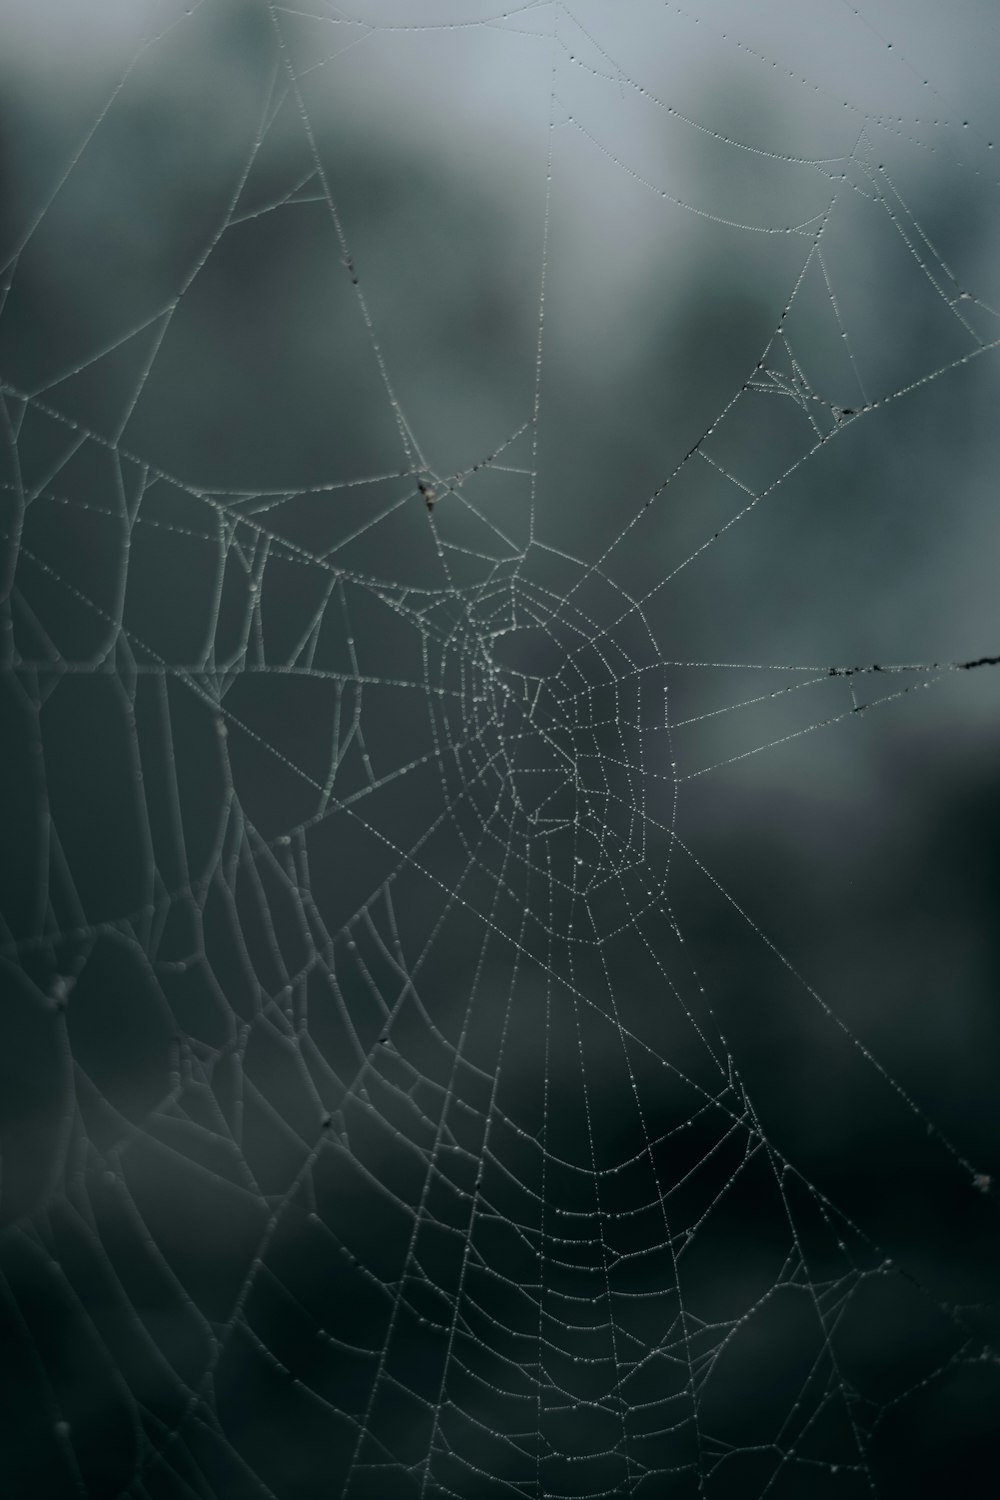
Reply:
x=492, y=1001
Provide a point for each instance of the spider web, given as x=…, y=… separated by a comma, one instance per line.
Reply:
x=409, y=1090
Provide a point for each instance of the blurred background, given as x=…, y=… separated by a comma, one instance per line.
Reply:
x=499, y=969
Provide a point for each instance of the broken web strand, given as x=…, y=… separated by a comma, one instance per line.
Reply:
x=754, y=498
